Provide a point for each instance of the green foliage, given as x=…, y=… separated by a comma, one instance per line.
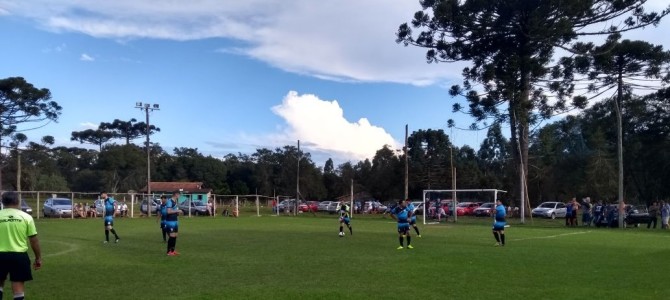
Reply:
x=50, y=182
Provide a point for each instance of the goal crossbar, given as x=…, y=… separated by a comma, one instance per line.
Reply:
x=454, y=200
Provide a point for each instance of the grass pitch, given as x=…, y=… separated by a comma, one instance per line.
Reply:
x=303, y=258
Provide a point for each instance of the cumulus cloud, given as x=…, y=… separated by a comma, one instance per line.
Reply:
x=86, y=57
x=322, y=128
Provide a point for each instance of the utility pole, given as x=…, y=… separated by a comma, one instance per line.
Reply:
x=406, y=164
x=297, y=182
x=146, y=107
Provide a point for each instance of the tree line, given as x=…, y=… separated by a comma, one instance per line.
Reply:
x=575, y=156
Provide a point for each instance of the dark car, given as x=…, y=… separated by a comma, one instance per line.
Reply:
x=24, y=207
x=636, y=215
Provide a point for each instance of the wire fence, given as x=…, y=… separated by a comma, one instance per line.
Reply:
x=74, y=205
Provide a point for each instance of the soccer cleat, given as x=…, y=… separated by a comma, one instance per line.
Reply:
x=400, y=247
x=171, y=254
x=105, y=242
x=175, y=252
x=419, y=235
x=496, y=244
x=116, y=241
x=410, y=247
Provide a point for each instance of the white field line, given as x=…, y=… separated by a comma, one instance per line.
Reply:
x=551, y=236
x=73, y=248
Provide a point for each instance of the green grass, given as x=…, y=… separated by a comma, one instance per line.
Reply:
x=303, y=258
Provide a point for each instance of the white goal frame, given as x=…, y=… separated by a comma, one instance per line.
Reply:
x=454, y=200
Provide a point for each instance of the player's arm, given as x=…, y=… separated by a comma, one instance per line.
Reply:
x=158, y=215
x=172, y=211
x=35, y=245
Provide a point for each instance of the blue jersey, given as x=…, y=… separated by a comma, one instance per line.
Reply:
x=410, y=209
x=109, y=207
x=401, y=214
x=500, y=223
x=163, y=211
x=172, y=205
x=568, y=208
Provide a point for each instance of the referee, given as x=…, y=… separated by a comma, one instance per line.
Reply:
x=16, y=229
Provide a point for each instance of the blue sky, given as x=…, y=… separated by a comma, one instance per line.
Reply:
x=233, y=76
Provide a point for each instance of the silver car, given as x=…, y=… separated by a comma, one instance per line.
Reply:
x=57, y=207
x=197, y=208
x=550, y=210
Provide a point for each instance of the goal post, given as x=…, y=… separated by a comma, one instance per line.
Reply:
x=451, y=199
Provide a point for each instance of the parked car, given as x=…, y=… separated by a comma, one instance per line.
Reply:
x=155, y=203
x=466, y=208
x=636, y=215
x=309, y=206
x=323, y=205
x=332, y=207
x=286, y=205
x=374, y=206
x=57, y=207
x=484, y=210
x=24, y=207
x=550, y=210
x=198, y=208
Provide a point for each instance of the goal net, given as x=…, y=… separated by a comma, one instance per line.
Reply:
x=440, y=205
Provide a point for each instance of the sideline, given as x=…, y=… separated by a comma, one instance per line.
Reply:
x=550, y=236
x=73, y=248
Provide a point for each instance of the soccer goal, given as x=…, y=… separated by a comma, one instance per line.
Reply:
x=439, y=205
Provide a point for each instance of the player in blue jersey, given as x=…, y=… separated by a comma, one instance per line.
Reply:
x=171, y=222
x=344, y=211
x=412, y=218
x=401, y=214
x=162, y=216
x=499, y=223
x=110, y=206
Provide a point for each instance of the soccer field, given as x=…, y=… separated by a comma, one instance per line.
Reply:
x=303, y=258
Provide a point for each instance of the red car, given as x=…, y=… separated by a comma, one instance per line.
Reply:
x=466, y=208
x=309, y=206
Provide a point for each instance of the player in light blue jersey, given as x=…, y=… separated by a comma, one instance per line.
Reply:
x=171, y=222
x=162, y=216
x=499, y=223
x=344, y=211
x=412, y=218
x=109, y=205
x=401, y=214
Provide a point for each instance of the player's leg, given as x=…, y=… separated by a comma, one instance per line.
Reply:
x=111, y=229
x=4, y=264
x=400, y=238
x=348, y=222
x=496, y=236
x=19, y=273
x=163, y=231
x=502, y=236
x=416, y=228
x=408, y=236
x=18, y=288
x=174, y=238
x=107, y=227
x=341, y=225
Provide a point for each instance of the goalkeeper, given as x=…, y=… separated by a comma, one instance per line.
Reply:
x=499, y=224
x=344, y=218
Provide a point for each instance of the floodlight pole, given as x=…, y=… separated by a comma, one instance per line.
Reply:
x=148, y=108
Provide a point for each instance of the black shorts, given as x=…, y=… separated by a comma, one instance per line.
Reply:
x=17, y=265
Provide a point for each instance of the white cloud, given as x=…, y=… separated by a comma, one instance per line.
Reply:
x=347, y=40
x=88, y=125
x=322, y=128
x=86, y=57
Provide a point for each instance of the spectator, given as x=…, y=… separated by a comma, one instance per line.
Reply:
x=440, y=214
x=575, y=209
x=80, y=210
x=665, y=214
x=92, y=212
x=123, y=209
x=568, y=213
x=586, y=212
x=598, y=213
x=210, y=208
x=653, y=214
x=274, y=206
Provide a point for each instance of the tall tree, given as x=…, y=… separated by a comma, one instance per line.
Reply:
x=510, y=44
x=96, y=137
x=128, y=130
x=21, y=103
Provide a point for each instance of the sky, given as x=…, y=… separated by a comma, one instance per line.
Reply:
x=235, y=76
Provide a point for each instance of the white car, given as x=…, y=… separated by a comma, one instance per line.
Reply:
x=550, y=210
x=57, y=207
